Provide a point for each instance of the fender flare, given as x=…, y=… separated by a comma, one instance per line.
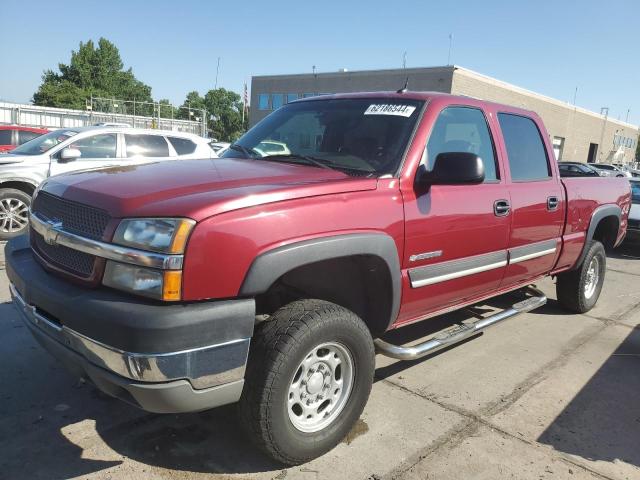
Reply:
x=271, y=265
x=598, y=214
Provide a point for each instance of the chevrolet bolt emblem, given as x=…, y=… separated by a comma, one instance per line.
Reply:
x=51, y=233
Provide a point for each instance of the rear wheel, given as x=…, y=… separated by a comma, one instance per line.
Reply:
x=14, y=212
x=308, y=379
x=579, y=289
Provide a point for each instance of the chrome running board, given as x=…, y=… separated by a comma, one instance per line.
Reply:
x=460, y=332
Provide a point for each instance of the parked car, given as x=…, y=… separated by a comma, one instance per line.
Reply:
x=111, y=124
x=71, y=149
x=633, y=230
x=577, y=169
x=271, y=279
x=13, y=135
x=612, y=169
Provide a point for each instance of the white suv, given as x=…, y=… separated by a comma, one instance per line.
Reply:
x=71, y=149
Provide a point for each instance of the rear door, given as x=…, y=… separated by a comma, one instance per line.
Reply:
x=536, y=199
x=455, y=244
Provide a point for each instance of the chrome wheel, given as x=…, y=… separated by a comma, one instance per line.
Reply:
x=14, y=215
x=593, y=277
x=320, y=387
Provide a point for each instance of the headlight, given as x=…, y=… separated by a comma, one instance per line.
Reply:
x=159, y=284
x=163, y=235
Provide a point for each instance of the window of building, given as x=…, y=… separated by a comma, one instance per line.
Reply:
x=182, y=146
x=277, y=100
x=5, y=137
x=463, y=129
x=525, y=148
x=24, y=136
x=291, y=97
x=558, y=147
x=146, y=146
x=97, y=146
x=263, y=101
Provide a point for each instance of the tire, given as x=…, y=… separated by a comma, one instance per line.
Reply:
x=284, y=352
x=577, y=290
x=14, y=213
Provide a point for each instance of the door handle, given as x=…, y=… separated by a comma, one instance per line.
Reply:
x=552, y=203
x=501, y=208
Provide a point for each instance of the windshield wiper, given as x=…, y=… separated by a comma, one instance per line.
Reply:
x=240, y=148
x=294, y=156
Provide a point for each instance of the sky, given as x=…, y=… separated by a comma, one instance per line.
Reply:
x=550, y=47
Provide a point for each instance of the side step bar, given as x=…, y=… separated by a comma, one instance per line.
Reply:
x=460, y=332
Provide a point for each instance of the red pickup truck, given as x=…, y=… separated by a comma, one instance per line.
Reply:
x=270, y=276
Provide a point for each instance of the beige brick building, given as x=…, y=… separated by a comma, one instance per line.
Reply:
x=577, y=134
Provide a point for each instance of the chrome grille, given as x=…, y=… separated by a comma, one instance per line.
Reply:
x=75, y=262
x=83, y=220
x=76, y=218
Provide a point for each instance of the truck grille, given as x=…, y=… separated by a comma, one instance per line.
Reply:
x=76, y=218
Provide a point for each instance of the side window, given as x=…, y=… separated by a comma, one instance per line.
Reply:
x=97, y=146
x=527, y=155
x=24, y=136
x=463, y=129
x=146, y=146
x=182, y=146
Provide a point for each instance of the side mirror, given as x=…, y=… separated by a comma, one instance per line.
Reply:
x=69, y=155
x=453, y=168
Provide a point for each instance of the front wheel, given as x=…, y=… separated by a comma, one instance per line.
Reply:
x=579, y=289
x=309, y=376
x=14, y=213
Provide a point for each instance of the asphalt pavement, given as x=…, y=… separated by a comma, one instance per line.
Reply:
x=545, y=395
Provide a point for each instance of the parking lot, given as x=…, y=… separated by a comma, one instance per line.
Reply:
x=546, y=395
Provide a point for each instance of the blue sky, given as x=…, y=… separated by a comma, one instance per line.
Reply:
x=546, y=46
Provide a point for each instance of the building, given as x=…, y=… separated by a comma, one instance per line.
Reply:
x=577, y=134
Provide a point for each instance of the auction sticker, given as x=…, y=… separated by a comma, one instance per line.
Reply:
x=390, y=109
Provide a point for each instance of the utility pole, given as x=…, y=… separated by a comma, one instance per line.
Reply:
x=627, y=119
x=450, y=45
x=575, y=94
x=605, y=112
x=217, y=71
x=404, y=60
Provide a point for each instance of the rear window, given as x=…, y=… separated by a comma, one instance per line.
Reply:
x=25, y=136
x=5, y=137
x=525, y=149
x=146, y=146
x=182, y=146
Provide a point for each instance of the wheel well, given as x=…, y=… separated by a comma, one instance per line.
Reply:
x=607, y=231
x=361, y=283
x=22, y=186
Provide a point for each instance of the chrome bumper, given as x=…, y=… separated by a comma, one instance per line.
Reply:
x=203, y=368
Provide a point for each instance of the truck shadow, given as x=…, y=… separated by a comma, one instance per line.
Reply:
x=602, y=422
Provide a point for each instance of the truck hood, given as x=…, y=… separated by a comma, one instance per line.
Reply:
x=199, y=188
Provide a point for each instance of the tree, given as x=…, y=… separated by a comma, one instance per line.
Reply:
x=91, y=71
x=224, y=106
x=638, y=149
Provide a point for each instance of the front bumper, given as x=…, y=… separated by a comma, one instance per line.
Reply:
x=179, y=370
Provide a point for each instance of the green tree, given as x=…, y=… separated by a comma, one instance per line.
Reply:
x=96, y=71
x=638, y=149
x=223, y=109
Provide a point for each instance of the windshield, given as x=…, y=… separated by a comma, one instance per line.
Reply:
x=44, y=143
x=635, y=192
x=365, y=137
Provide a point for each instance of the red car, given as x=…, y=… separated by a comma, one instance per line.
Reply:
x=13, y=135
x=270, y=278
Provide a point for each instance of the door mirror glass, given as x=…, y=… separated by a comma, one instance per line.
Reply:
x=453, y=168
x=69, y=155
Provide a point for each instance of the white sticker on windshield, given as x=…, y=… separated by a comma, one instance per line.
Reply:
x=390, y=109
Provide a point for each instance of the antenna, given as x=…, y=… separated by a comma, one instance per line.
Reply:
x=406, y=86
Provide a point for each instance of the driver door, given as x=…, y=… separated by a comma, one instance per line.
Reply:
x=96, y=151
